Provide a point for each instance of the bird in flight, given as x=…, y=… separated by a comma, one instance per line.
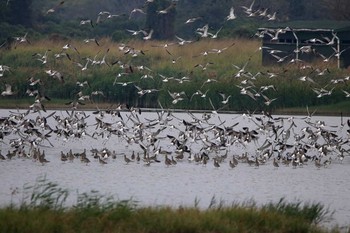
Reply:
x=53, y=9
x=232, y=15
x=8, y=90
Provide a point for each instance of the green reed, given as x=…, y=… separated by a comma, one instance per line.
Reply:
x=43, y=208
x=291, y=92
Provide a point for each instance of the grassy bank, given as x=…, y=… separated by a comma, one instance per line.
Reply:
x=123, y=218
x=43, y=209
x=188, y=74
x=337, y=109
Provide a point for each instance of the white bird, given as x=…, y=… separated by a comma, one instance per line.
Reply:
x=326, y=59
x=166, y=10
x=88, y=40
x=246, y=91
x=330, y=41
x=69, y=46
x=83, y=84
x=8, y=90
x=218, y=51
x=274, y=51
x=136, y=10
x=191, y=20
x=209, y=80
x=165, y=45
x=249, y=9
x=322, y=92
x=224, y=98
x=214, y=111
x=322, y=72
x=267, y=87
x=135, y=33
x=263, y=12
x=87, y=21
x=112, y=16
x=203, y=32
x=55, y=74
x=232, y=15
x=42, y=58
x=272, y=17
x=241, y=70
x=182, y=80
x=95, y=93
x=338, y=54
x=22, y=39
x=275, y=36
x=306, y=78
x=51, y=10
x=174, y=60
x=104, y=15
x=200, y=93
x=3, y=68
x=214, y=36
x=177, y=95
x=142, y=92
x=83, y=67
x=280, y=59
x=165, y=79
x=314, y=40
x=149, y=35
x=37, y=106
x=124, y=84
x=182, y=41
x=268, y=101
x=347, y=94
x=33, y=82
x=204, y=67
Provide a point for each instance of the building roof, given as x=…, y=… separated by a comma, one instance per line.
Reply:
x=319, y=25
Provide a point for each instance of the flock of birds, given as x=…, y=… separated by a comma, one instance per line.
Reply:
x=197, y=138
x=173, y=138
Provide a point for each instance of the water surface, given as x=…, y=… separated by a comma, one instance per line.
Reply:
x=188, y=181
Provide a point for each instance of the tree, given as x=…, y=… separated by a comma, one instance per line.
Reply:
x=19, y=12
x=161, y=19
x=296, y=9
x=339, y=9
x=3, y=11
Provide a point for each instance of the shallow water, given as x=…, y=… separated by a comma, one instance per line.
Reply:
x=186, y=182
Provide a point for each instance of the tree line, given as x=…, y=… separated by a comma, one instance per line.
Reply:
x=34, y=15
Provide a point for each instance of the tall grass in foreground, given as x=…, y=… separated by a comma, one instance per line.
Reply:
x=45, y=210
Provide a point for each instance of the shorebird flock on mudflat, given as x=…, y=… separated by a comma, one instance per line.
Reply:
x=201, y=138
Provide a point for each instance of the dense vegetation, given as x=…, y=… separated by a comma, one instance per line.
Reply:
x=149, y=68
x=43, y=209
x=92, y=35
x=34, y=16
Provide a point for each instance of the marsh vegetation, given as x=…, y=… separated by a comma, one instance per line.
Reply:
x=43, y=209
x=157, y=69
